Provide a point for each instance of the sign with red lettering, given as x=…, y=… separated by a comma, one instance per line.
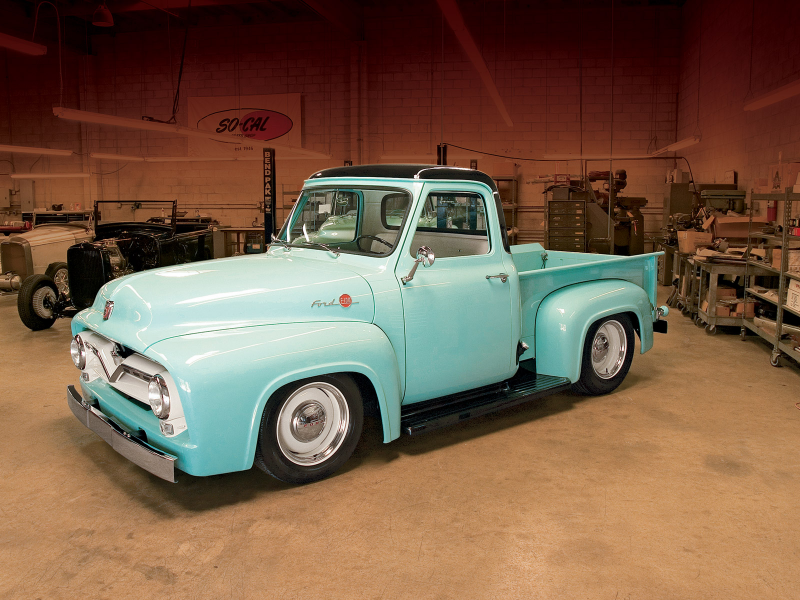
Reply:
x=258, y=118
x=260, y=124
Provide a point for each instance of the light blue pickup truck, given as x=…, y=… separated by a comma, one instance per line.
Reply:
x=271, y=359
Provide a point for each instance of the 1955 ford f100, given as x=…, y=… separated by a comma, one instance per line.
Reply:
x=270, y=359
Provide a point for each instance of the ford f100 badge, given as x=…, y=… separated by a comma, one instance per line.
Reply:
x=344, y=300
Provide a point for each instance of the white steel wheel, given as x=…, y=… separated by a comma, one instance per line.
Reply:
x=609, y=349
x=310, y=428
x=312, y=423
x=607, y=355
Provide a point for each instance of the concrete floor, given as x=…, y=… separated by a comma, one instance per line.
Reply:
x=685, y=483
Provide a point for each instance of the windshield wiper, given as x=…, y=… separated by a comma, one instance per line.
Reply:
x=323, y=246
x=286, y=246
x=309, y=242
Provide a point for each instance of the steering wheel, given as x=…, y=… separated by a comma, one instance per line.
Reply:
x=375, y=238
x=143, y=252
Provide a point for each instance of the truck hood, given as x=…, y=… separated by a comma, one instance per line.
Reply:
x=244, y=291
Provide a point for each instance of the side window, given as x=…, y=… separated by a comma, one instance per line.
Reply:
x=393, y=210
x=452, y=224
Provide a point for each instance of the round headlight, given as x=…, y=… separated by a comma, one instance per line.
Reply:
x=158, y=396
x=78, y=352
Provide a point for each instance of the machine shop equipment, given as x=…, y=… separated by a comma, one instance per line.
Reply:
x=611, y=224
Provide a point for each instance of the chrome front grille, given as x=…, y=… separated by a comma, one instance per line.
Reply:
x=129, y=373
x=13, y=259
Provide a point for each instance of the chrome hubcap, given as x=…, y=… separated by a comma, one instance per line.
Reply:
x=42, y=301
x=312, y=423
x=308, y=421
x=61, y=279
x=609, y=348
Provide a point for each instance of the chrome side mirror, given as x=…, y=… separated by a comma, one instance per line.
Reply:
x=425, y=256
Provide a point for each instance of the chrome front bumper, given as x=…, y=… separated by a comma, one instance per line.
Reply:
x=135, y=450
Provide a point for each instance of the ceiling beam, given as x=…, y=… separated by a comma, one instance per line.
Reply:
x=455, y=19
x=780, y=94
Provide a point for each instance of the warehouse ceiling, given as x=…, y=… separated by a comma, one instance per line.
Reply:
x=153, y=15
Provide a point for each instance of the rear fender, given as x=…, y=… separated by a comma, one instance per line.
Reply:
x=564, y=317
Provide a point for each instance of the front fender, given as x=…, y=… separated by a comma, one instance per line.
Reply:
x=565, y=315
x=227, y=377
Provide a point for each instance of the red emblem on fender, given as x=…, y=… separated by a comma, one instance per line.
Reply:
x=345, y=300
x=108, y=309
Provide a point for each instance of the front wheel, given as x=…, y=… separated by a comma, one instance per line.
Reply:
x=59, y=273
x=35, y=302
x=310, y=429
x=607, y=355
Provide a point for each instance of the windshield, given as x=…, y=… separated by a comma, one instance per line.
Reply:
x=360, y=221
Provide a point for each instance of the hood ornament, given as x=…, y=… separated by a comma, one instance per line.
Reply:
x=108, y=309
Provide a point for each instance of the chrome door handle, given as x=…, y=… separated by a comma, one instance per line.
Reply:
x=502, y=277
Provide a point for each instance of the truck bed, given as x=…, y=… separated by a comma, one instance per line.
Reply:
x=541, y=272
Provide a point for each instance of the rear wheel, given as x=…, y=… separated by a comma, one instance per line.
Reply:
x=35, y=302
x=607, y=355
x=59, y=273
x=310, y=428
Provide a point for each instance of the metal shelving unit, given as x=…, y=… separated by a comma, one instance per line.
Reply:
x=786, y=242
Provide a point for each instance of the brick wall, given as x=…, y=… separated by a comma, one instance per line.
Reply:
x=734, y=51
x=392, y=98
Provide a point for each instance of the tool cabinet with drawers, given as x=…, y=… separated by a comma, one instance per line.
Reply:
x=566, y=221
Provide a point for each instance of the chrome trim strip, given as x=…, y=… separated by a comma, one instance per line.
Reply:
x=138, y=452
x=134, y=372
x=96, y=352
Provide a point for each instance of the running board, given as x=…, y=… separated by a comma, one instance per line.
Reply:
x=442, y=412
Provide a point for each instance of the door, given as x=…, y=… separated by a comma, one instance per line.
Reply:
x=457, y=321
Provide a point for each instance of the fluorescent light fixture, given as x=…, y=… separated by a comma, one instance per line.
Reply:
x=167, y=159
x=164, y=159
x=23, y=46
x=84, y=116
x=679, y=145
x=778, y=95
x=33, y=150
x=119, y=157
x=48, y=175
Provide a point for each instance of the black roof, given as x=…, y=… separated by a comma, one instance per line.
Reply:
x=408, y=172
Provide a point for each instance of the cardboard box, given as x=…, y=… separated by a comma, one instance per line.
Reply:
x=793, y=262
x=735, y=227
x=722, y=310
x=793, y=295
x=748, y=311
x=723, y=291
x=689, y=241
